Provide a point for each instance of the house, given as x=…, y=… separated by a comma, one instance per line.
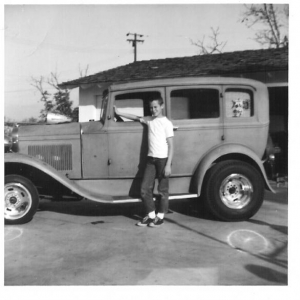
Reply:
x=267, y=65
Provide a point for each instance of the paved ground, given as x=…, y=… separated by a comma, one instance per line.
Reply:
x=85, y=243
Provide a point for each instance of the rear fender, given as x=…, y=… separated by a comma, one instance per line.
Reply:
x=221, y=151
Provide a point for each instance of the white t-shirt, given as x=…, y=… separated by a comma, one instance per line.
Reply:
x=159, y=129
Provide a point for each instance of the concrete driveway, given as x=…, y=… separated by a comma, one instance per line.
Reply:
x=85, y=243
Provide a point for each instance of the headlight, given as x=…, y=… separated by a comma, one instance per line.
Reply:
x=7, y=144
x=15, y=139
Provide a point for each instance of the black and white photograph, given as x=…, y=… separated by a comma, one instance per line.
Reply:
x=146, y=145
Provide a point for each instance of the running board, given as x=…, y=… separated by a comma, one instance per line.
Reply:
x=182, y=196
x=126, y=199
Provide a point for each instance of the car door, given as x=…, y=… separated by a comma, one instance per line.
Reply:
x=94, y=145
x=128, y=140
x=195, y=112
x=241, y=118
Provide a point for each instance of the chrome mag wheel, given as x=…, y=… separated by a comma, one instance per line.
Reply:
x=18, y=201
x=21, y=199
x=236, y=191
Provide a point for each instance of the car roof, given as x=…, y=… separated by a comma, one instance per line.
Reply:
x=183, y=81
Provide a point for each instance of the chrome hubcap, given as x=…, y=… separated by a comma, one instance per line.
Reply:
x=236, y=191
x=17, y=201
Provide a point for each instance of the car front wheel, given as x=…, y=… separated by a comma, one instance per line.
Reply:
x=233, y=190
x=21, y=199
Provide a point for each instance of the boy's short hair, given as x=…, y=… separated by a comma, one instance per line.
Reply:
x=159, y=99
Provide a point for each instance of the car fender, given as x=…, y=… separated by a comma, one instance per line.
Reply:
x=44, y=167
x=218, y=152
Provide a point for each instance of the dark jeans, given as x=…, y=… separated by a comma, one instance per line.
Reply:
x=155, y=169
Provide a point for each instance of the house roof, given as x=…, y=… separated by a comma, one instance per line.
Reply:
x=199, y=65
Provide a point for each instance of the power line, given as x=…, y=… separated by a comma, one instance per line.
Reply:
x=134, y=42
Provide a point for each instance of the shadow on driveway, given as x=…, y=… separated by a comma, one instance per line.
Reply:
x=280, y=228
x=188, y=207
x=267, y=274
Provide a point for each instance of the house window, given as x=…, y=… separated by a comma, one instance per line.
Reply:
x=238, y=103
x=195, y=104
x=136, y=103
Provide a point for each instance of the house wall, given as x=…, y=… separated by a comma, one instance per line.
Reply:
x=90, y=103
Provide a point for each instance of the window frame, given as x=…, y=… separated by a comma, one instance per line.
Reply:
x=189, y=87
x=160, y=90
x=229, y=119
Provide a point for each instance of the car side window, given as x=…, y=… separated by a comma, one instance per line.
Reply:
x=238, y=103
x=135, y=103
x=195, y=104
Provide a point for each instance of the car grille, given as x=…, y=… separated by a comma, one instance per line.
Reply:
x=57, y=156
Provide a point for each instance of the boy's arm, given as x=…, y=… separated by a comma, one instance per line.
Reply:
x=170, y=156
x=129, y=116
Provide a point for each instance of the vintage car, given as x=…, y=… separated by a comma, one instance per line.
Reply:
x=221, y=132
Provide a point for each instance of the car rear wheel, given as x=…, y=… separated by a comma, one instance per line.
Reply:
x=233, y=190
x=21, y=199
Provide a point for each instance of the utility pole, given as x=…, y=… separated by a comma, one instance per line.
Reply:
x=135, y=41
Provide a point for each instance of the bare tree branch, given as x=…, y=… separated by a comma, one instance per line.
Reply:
x=82, y=72
x=53, y=80
x=269, y=16
x=38, y=83
x=58, y=101
x=210, y=48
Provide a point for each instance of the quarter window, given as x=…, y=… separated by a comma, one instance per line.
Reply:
x=195, y=104
x=238, y=103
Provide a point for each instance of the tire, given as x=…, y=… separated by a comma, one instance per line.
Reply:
x=21, y=199
x=233, y=190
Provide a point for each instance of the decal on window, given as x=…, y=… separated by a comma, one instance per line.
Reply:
x=239, y=103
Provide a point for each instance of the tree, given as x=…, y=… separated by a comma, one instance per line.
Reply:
x=211, y=48
x=38, y=83
x=273, y=20
x=63, y=104
x=60, y=101
x=75, y=114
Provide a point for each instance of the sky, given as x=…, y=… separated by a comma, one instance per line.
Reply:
x=66, y=39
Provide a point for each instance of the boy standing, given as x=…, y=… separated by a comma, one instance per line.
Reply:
x=160, y=154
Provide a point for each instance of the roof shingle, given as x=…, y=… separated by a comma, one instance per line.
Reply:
x=199, y=65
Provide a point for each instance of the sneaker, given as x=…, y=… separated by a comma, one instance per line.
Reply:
x=157, y=222
x=145, y=222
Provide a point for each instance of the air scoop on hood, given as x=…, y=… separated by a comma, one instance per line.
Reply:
x=56, y=118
